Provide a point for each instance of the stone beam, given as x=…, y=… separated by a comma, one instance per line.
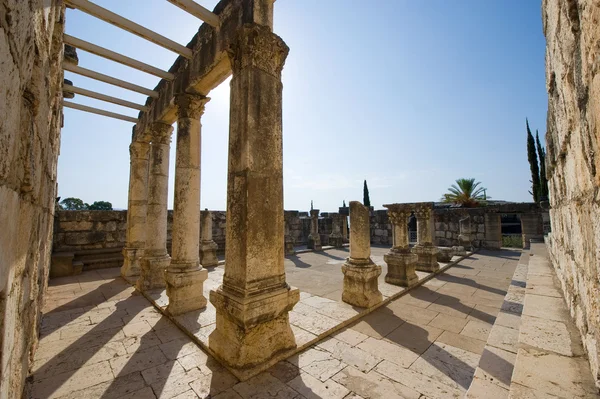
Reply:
x=98, y=111
x=103, y=97
x=197, y=11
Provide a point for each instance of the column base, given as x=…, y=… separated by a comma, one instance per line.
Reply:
x=427, y=258
x=289, y=248
x=445, y=254
x=459, y=251
x=360, y=283
x=152, y=272
x=401, y=268
x=251, y=331
x=336, y=241
x=314, y=242
x=464, y=241
x=132, y=263
x=208, y=253
x=184, y=289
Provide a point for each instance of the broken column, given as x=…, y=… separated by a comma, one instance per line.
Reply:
x=208, y=247
x=335, y=238
x=425, y=250
x=345, y=229
x=288, y=239
x=314, y=239
x=400, y=260
x=360, y=273
x=155, y=259
x=185, y=276
x=532, y=228
x=252, y=304
x=493, y=230
x=139, y=153
x=464, y=236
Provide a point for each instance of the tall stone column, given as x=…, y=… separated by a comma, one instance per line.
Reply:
x=360, y=273
x=425, y=250
x=185, y=276
x=156, y=259
x=253, y=302
x=335, y=238
x=493, y=230
x=314, y=238
x=208, y=247
x=139, y=152
x=532, y=228
x=289, y=240
x=400, y=260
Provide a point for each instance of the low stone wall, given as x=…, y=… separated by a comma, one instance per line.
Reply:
x=447, y=225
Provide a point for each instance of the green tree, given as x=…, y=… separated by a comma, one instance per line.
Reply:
x=543, y=181
x=366, y=199
x=73, y=204
x=100, y=206
x=466, y=192
x=533, y=165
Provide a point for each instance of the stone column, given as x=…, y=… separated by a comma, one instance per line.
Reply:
x=185, y=276
x=425, y=250
x=335, y=238
x=314, y=238
x=532, y=228
x=139, y=152
x=253, y=302
x=464, y=236
x=156, y=259
x=400, y=260
x=345, y=228
x=360, y=273
x=208, y=247
x=493, y=231
x=289, y=241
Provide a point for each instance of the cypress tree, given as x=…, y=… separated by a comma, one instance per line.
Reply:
x=366, y=199
x=543, y=180
x=533, y=165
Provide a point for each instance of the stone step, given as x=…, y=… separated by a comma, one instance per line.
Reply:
x=103, y=263
x=550, y=360
x=101, y=253
x=492, y=377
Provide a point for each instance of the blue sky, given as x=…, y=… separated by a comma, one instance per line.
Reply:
x=410, y=95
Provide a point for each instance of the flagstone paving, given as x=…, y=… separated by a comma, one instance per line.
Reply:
x=101, y=339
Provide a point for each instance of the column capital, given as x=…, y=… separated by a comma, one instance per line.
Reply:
x=423, y=210
x=256, y=46
x=160, y=132
x=139, y=149
x=190, y=105
x=399, y=218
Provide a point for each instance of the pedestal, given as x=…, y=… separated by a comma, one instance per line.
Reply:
x=132, y=263
x=208, y=253
x=360, y=283
x=152, y=273
x=314, y=242
x=401, y=267
x=336, y=240
x=445, y=254
x=183, y=292
x=427, y=258
x=289, y=247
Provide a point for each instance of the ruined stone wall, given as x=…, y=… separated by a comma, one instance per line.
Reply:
x=573, y=162
x=381, y=228
x=31, y=51
x=447, y=226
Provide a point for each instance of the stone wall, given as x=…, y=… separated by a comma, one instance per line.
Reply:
x=31, y=52
x=573, y=160
x=447, y=226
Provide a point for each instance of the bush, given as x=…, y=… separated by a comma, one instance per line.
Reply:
x=512, y=241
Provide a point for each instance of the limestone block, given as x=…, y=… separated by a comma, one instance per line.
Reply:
x=401, y=268
x=62, y=265
x=360, y=284
x=427, y=258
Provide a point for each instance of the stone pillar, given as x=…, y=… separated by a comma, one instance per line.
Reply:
x=532, y=228
x=345, y=229
x=493, y=231
x=137, y=203
x=400, y=260
x=360, y=273
x=185, y=276
x=314, y=239
x=253, y=302
x=208, y=247
x=156, y=260
x=425, y=250
x=289, y=241
x=335, y=238
x=464, y=236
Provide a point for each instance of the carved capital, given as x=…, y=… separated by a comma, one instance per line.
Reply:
x=139, y=150
x=257, y=47
x=399, y=218
x=160, y=133
x=423, y=210
x=190, y=105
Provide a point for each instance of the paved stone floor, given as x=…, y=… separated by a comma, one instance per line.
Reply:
x=101, y=339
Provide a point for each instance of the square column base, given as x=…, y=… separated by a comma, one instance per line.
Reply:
x=152, y=273
x=427, y=258
x=336, y=241
x=289, y=248
x=208, y=253
x=184, y=289
x=132, y=263
x=314, y=242
x=251, y=331
x=459, y=250
x=360, y=283
x=401, y=268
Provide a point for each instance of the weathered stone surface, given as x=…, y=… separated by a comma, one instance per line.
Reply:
x=314, y=239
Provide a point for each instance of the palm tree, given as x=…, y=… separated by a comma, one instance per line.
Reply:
x=465, y=192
